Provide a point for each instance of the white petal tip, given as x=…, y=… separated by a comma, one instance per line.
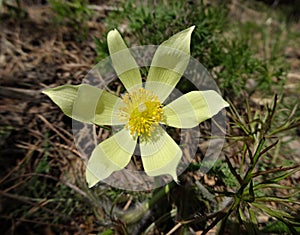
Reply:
x=90, y=185
x=175, y=178
x=177, y=181
x=192, y=27
x=91, y=179
x=112, y=33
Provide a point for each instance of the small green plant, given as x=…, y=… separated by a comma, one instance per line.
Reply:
x=152, y=22
x=257, y=186
x=248, y=189
x=14, y=8
x=72, y=12
x=225, y=48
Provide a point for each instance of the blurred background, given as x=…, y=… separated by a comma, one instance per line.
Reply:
x=251, y=49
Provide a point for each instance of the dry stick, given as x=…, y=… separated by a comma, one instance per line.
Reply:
x=68, y=148
x=103, y=8
x=46, y=223
x=66, y=132
x=127, y=205
x=38, y=205
x=17, y=166
x=71, y=186
x=28, y=146
x=54, y=129
x=177, y=226
x=18, y=93
x=13, y=186
x=275, y=170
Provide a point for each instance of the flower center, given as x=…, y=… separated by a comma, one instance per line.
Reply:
x=142, y=111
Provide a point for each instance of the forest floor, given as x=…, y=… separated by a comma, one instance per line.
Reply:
x=36, y=53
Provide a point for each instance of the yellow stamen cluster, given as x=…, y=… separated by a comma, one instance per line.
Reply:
x=142, y=111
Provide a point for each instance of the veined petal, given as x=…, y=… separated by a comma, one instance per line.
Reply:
x=86, y=103
x=123, y=62
x=161, y=156
x=193, y=108
x=111, y=155
x=64, y=97
x=96, y=105
x=169, y=63
x=107, y=110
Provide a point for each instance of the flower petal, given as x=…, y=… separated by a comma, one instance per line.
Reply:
x=193, y=108
x=107, y=110
x=64, y=97
x=111, y=155
x=86, y=103
x=161, y=156
x=169, y=63
x=123, y=62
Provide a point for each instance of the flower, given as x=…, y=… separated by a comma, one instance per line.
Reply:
x=141, y=111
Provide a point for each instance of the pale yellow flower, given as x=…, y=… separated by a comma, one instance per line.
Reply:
x=142, y=111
